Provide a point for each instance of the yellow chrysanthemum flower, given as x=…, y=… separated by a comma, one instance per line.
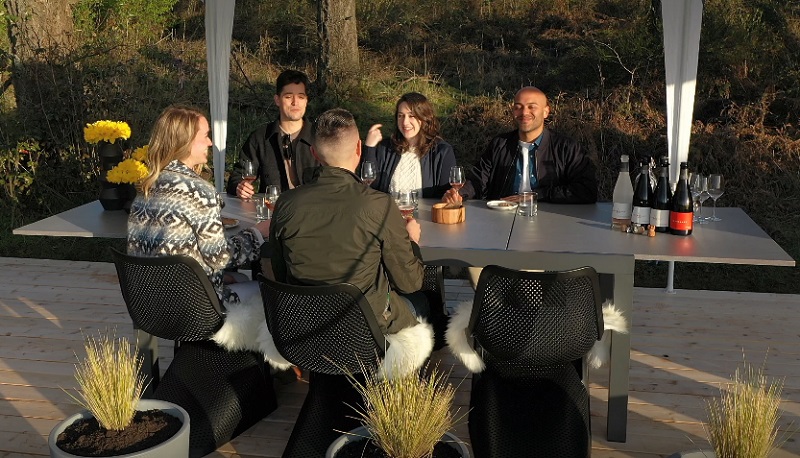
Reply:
x=140, y=153
x=127, y=171
x=106, y=130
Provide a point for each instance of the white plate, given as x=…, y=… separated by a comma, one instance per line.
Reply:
x=235, y=223
x=501, y=205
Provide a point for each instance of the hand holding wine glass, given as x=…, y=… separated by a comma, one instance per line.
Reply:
x=457, y=177
x=245, y=188
x=715, y=191
x=367, y=172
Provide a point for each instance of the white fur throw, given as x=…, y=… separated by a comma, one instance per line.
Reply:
x=408, y=350
x=457, y=337
x=613, y=320
x=245, y=328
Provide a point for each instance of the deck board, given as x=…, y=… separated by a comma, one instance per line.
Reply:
x=684, y=346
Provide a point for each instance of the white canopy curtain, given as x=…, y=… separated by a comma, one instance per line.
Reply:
x=682, y=20
x=219, y=29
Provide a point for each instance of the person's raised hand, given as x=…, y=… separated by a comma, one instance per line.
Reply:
x=374, y=136
x=414, y=230
x=452, y=197
x=245, y=190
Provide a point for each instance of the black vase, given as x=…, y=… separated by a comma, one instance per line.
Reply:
x=111, y=196
x=129, y=191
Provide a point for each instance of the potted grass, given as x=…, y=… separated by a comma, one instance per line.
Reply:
x=116, y=421
x=407, y=416
x=742, y=422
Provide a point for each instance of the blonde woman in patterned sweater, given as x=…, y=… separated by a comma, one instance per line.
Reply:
x=415, y=157
x=178, y=213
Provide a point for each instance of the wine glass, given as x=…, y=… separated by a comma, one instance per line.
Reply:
x=271, y=197
x=715, y=191
x=367, y=172
x=700, y=194
x=405, y=202
x=248, y=173
x=456, y=177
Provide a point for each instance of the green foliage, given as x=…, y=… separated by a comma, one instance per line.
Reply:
x=122, y=20
x=18, y=168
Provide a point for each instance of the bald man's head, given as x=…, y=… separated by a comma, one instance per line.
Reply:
x=336, y=140
x=530, y=110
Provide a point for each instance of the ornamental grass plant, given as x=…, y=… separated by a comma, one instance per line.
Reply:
x=742, y=422
x=109, y=381
x=408, y=415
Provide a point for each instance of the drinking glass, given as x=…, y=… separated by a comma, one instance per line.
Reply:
x=262, y=210
x=456, y=177
x=248, y=173
x=270, y=198
x=367, y=172
x=699, y=184
x=715, y=190
x=405, y=202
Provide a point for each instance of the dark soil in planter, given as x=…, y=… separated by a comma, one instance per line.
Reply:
x=149, y=428
x=367, y=449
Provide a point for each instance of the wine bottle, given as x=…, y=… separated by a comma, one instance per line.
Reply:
x=623, y=196
x=662, y=198
x=680, y=215
x=642, y=198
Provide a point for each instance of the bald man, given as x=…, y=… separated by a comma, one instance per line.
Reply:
x=335, y=229
x=531, y=158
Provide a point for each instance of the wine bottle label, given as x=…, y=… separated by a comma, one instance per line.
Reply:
x=640, y=215
x=680, y=221
x=659, y=218
x=621, y=210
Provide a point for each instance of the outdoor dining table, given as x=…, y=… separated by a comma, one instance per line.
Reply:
x=559, y=237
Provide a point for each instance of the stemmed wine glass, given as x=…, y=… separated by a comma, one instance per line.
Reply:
x=699, y=184
x=715, y=191
x=367, y=172
x=456, y=177
x=271, y=197
x=248, y=173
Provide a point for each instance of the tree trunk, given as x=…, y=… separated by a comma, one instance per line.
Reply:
x=46, y=83
x=338, y=33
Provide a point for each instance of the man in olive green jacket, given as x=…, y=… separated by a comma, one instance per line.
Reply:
x=335, y=229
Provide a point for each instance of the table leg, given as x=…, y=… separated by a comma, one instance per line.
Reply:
x=147, y=346
x=619, y=365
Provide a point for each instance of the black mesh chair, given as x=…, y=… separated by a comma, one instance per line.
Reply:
x=224, y=392
x=530, y=329
x=329, y=331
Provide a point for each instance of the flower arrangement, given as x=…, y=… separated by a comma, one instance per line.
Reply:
x=108, y=131
x=131, y=170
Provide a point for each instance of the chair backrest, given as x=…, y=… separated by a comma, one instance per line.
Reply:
x=325, y=329
x=169, y=297
x=527, y=321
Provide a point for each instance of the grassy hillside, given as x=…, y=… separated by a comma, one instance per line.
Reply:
x=600, y=61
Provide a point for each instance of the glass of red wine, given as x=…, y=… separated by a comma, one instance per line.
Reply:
x=271, y=197
x=248, y=173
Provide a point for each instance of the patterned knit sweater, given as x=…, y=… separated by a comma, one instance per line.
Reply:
x=181, y=216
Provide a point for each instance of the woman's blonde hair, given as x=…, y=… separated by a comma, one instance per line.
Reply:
x=171, y=139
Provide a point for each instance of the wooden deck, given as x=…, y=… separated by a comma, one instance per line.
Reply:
x=683, y=346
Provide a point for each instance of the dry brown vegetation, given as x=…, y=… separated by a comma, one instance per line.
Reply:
x=601, y=62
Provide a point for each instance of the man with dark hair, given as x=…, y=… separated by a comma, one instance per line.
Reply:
x=280, y=150
x=531, y=158
x=335, y=229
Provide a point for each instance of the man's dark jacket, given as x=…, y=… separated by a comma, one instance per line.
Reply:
x=264, y=149
x=565, y=173
x=435, y=166
x=334, y=229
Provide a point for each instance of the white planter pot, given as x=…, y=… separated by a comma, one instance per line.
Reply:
x=361, y=432
x=176, y=446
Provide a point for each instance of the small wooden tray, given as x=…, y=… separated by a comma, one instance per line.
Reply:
x=443, y=214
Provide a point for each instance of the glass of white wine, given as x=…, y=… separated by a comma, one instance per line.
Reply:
x=716, y=188
x=456, y=177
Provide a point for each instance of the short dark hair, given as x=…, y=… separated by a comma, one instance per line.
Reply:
x=291, y=77
x=331, y=123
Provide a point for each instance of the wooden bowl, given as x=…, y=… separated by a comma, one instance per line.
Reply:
x=444, y=214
